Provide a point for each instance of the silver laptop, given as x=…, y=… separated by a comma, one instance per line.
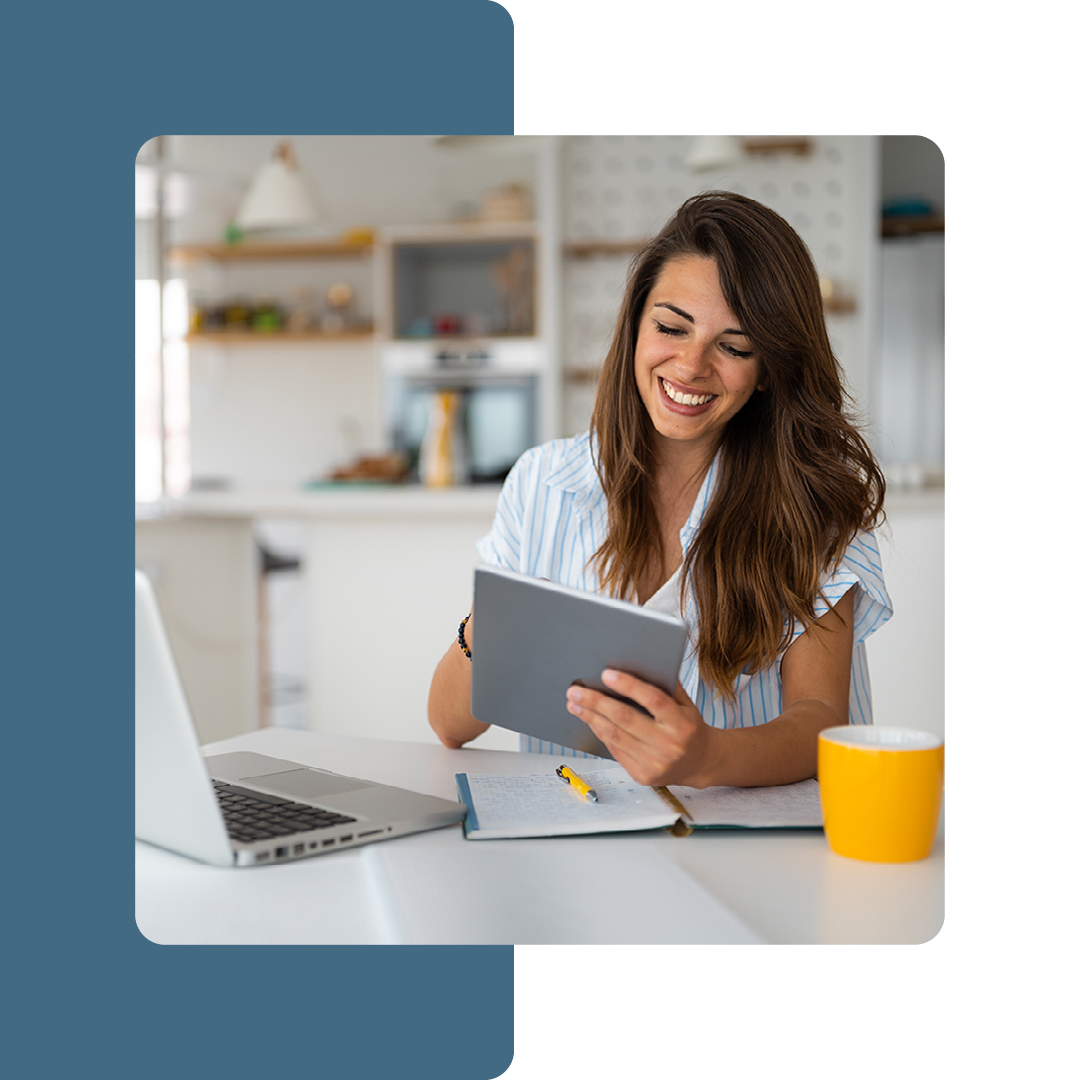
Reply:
x=243, y=809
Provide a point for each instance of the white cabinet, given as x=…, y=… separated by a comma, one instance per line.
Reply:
x=384, y=601
x=204, y=572
x=907, y=655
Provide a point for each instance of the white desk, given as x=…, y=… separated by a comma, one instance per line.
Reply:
x=788, y=887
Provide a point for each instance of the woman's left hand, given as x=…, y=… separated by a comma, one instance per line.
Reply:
x=670, y=747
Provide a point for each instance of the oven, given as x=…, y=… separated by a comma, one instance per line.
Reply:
x=493, y=398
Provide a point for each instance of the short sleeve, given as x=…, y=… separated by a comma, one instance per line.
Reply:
x=502, y=545
x=860, y=566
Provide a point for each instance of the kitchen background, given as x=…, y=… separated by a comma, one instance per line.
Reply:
x=311, y=537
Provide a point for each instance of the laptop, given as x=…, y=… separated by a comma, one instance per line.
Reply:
x=245, y=809
x=535, y=638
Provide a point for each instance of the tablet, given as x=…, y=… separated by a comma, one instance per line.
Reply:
x=532, y=639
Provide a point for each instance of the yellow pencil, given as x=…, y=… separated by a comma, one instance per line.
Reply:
x=564, y=772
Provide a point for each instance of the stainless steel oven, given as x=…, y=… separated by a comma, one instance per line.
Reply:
x=495, y=401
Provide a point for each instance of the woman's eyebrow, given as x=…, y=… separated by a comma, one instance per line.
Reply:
x=690, y=318
x=678, y=311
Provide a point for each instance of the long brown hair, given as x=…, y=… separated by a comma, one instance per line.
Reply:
x=797, y=479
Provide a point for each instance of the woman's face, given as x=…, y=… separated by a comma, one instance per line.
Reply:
x=694, y=367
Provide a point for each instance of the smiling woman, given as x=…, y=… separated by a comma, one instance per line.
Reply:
x=724, y=481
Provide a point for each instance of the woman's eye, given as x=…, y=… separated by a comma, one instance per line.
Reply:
x=735, y=352
x=673, y=330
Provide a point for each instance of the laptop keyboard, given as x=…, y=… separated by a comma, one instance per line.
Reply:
x=251, y=816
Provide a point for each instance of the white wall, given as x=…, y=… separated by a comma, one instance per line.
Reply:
x=276, y=415
x=204, y=578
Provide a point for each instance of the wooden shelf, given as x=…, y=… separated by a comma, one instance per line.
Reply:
x=798, y=145
x=585, y=249
x=839, y=305
x=912, y=226
x=251, y=252
x=455, y=232
x=258, y=337
x=581, y=374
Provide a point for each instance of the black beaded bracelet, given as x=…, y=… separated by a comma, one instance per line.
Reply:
x=461, y=636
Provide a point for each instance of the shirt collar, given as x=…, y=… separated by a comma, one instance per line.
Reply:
x=578, y=476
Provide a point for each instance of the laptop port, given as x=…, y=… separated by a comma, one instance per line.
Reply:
x=298, y=849
x=346, y=839
x=281, y=852
x=262, y=856
x=312, y=847
x=328, y=843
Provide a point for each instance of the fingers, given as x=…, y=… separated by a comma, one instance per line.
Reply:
x=645, y=694
x=682, y=697
x=581, y=700
x=653, y=749
x=615, y=723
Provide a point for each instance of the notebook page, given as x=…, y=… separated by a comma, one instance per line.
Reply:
x=542, y=804
x=790, y=806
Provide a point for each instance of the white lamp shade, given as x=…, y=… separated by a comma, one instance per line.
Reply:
x=714, y=152
x=277, y=198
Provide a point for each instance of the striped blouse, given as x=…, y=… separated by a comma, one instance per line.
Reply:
x=551, y=518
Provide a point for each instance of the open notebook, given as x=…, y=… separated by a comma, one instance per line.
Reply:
x=541, y=804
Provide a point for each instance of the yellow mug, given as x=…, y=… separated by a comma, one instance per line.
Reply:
x=880, y=791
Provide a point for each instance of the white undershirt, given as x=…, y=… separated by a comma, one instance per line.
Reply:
x=666, y=598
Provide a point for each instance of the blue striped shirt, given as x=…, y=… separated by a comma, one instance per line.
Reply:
x=552, y=517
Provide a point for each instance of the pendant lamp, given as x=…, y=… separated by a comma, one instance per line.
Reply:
x=278, y=197
x=714, y=152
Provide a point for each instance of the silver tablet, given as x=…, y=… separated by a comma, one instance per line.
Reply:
x=533, y=639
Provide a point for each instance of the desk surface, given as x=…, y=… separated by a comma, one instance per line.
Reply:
x=785, y=886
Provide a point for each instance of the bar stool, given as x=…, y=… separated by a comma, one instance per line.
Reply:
x=270, y=562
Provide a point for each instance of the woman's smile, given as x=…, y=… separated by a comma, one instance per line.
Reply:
x=688, y=401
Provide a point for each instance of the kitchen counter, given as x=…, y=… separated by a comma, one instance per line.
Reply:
x=400, y=501
x=348, y=501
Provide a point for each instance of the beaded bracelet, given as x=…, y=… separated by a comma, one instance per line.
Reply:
x=461, y=637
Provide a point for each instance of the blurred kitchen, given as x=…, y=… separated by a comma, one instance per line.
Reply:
x=344, y=342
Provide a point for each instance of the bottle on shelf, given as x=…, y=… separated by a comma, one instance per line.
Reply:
x=442, y=457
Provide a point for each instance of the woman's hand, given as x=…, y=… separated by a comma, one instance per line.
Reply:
x=670, y=747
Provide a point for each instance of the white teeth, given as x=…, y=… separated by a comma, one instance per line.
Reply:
x=684, y=399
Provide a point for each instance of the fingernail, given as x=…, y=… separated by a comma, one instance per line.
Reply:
x=573, y=694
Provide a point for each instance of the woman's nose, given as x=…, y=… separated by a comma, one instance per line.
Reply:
x=694, y=358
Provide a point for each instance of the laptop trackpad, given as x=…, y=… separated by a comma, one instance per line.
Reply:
x=306, y=783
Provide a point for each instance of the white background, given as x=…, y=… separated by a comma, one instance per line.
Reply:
x=988, y=84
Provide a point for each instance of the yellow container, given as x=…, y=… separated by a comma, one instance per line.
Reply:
x=880, y=791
